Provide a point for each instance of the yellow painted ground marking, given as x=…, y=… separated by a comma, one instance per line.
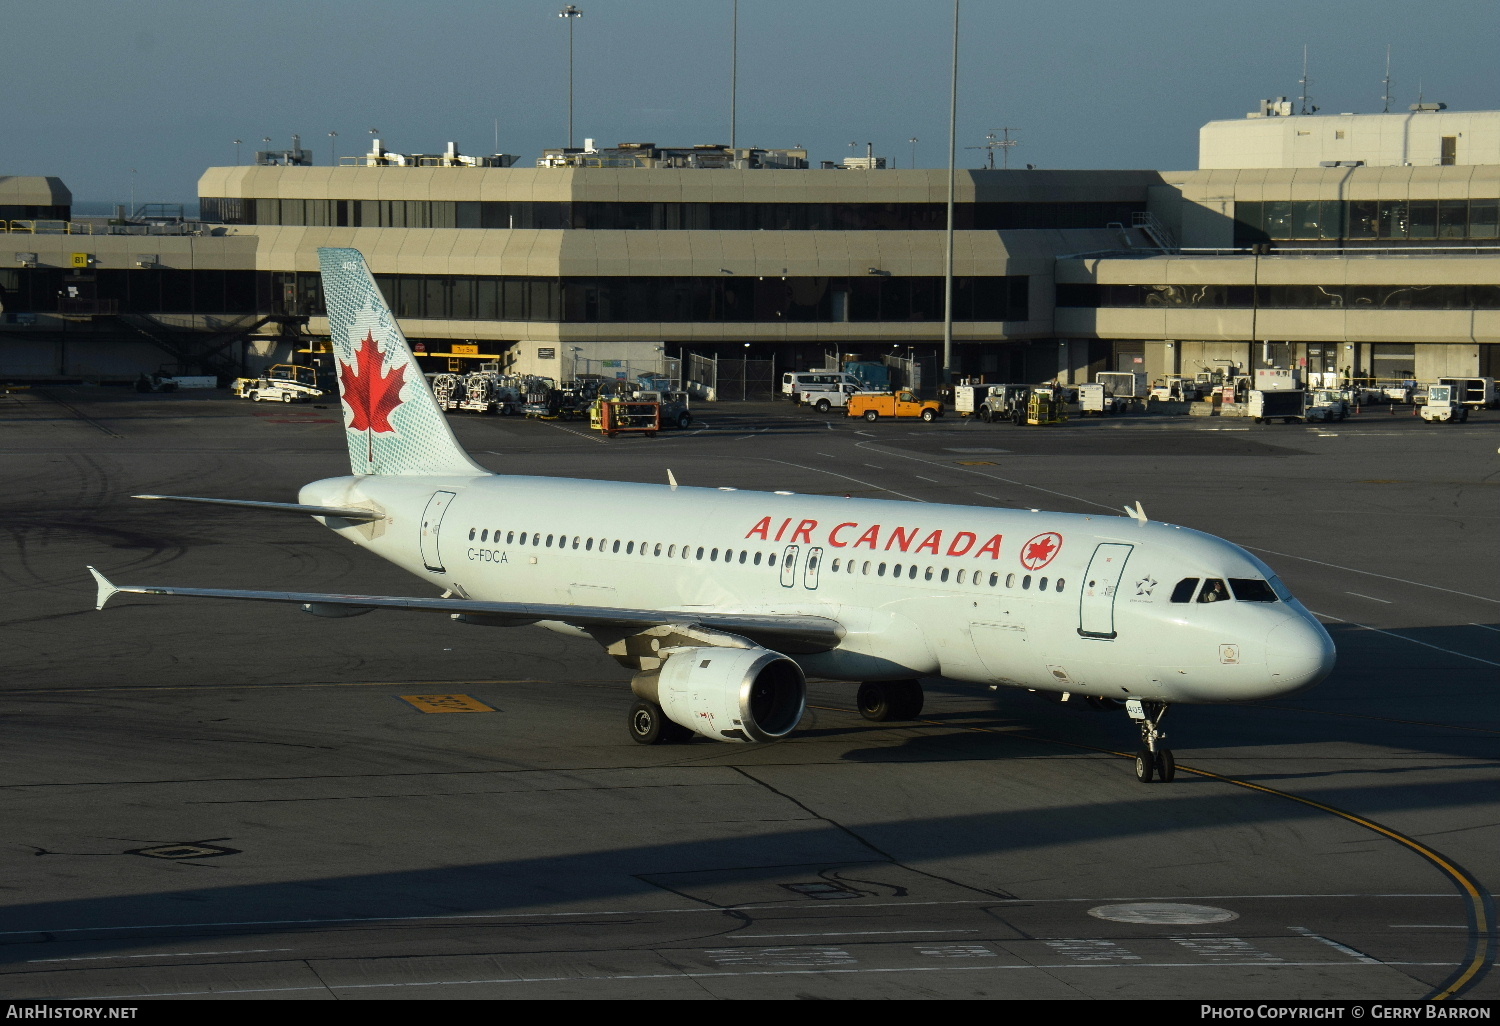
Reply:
x=1482, y=940
x=445, y=703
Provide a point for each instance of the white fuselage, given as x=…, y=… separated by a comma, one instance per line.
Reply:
x=1048, y=601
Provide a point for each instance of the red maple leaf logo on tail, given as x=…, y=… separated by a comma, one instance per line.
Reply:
x=370, y=394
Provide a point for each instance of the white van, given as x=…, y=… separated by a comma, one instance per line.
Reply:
x=793, y=382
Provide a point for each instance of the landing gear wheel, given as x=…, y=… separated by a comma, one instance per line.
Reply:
x=881, y=700
x=1153, y=759
x=871, y=416
x=649, y=725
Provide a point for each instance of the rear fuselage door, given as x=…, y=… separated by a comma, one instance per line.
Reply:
x=810, y=568
x=432, y=521
x=1096, y=603
x=789, y=566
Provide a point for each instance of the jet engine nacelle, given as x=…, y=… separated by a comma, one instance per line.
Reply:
x=732, y=694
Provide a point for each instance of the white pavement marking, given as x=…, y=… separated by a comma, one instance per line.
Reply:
x=1358, y=956
x=324, y=988
x=929, y=480
x=1485, y=627
x=692, y=909
x=1372, y=598
x=993, y=477
x=169, y=954
x=846, y=477
x=867, y=434
x=1427, y=926
x=1371, y=573
x=995, y=498
x=858, y=933
x=1403, y=637
x=874, y=466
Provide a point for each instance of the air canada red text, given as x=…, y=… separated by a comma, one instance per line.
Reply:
x=877, y=538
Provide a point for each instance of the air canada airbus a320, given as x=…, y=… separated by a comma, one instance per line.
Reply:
x=724, y=601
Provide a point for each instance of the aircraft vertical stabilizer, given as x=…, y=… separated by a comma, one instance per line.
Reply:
x=391, y=420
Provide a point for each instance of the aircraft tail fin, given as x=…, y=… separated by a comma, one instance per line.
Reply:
x=391, y=421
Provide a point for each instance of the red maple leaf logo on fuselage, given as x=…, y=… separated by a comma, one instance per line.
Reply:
x=370, y=394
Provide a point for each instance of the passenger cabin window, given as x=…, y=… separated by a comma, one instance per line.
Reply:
x=1213, y=591
x=1250, y=589
x=1184, y=590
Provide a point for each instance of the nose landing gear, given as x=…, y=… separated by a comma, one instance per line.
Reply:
x=1154, y=760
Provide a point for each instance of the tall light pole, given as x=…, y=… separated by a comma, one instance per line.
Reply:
x=332, y=160
x=913, y=140
x=237, y=153
x=948, y=253
x=734, y=67
x=570, y=14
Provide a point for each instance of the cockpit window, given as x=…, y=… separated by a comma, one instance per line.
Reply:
x=1184, y=590
x=1249, y=589
x=1213, y=591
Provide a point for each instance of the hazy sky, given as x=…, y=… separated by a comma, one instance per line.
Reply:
x=91, y=89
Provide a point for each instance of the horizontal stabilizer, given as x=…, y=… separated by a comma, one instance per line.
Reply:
x=777, y=631
x=106, y=589
x=343, y=512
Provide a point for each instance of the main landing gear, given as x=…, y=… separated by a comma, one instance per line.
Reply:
x=1154, y=760
x=650, y=726
x=881, y=700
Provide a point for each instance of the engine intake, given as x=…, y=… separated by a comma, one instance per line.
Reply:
x=733, y=694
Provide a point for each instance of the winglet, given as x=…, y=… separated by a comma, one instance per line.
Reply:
x=107, y=590
x=672, y=480
x=1137, y=512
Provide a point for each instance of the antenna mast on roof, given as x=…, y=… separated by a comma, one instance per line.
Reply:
x=992, y=144
x=1387, y=80
x=1304, y=80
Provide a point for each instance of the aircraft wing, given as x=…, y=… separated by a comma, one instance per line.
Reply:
x=783, y=632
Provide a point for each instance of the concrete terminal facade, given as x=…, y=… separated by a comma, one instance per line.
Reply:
x=1371, y=271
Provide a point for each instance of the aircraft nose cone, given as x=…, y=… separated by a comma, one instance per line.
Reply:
x=1299, y=653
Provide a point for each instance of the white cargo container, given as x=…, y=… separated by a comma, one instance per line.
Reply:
x=1275, y=379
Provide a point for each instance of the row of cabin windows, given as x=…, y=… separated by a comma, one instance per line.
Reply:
x=629, y=548
x=928, y=573
x=1246, y=589
x=896, y=570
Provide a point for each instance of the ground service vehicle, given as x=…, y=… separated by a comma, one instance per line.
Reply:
x=793, y=382
x=825, y=397
x=1005, y=402
x=1046, y=406
x=1475, y=393
x=1441, y=406
x=1176, y=388
x=624, y=416
x=1287, y=406
x=723, y=602
x=874, y=405
x=273, y=390
x=1127, y=385
x=1096, y=399
x=673, y=407
x=968, y=398
x=1329, y=404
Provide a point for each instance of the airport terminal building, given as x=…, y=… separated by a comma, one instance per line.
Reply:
x=1367, y=245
